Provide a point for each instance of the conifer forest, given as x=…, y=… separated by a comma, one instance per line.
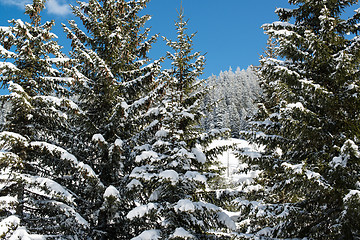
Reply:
x=103, y=142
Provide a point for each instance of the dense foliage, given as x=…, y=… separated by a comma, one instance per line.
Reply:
x=104, y=144
x=40, y=179
x=308, y=121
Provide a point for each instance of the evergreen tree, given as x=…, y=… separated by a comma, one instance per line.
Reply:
x=172, y=171
x=41, y=181
x=115, y=88
x=308, y=121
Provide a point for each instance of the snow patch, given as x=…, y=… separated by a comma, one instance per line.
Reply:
x=141, y=172
x=70, y=212
x=298, y=168
x=21, y=233
x=200, y=156
x=185, y=205
x=64, y=155
x=8, y=65
x=338, y=161
x=140, y=211
x=111, y=191
x=13, y=135
x=148, y=235
x=171, y=175
x=297, y=105
x=118, y=143
x=348, y=148
x=8, y=223
x=195, y=176
x=181, y=233
x=53, y=187
x=98, y=138
x=226, y=220
x=146, y=155
x=161, y=133
x=350, y=194
x=134, y=183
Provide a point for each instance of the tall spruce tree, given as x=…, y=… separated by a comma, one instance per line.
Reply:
x=42, y=183
x=170, y=179
x=115, y=88
x=308, y=120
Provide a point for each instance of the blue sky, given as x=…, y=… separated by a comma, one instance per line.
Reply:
x=228, y=31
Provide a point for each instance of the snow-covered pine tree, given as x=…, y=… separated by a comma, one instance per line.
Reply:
x=308, y=120
x=115, y=88
x=170, y=179
x=41, y=181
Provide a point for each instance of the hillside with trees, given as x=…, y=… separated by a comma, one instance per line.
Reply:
x=230, y=101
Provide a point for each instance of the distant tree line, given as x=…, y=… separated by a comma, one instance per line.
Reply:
x=230, y=100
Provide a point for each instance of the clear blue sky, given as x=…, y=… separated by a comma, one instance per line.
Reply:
x=228, y=30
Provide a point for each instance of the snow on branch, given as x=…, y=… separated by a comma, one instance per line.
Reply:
x=64, y=155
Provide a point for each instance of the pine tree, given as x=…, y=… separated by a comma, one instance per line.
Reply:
x=115, y=88
x=308, y=120
x=40, y=179
x=172, y=169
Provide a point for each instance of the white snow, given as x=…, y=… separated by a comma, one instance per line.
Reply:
x=70, y=212
x=297, y=168
x=350, y=194
x=183, y=153
x=52, y=186
x=265, y=232
x=171, y=175
x=161, y=133
x=195, y=176
x=7, y=201
x=181, y=233
x=140, y=211
x=8, y=65
x=200, y=156
x=352, y=146
x=282, y=24
x=118, y=143
x=59, y=60
x=338, y=161
x=98, y=138
x=148, y=235
x=226, y=220
x=185, y=205
x=64, y=155
x=349, y=146
x=87, y=169
x=141, y=172
x=187, y=115
x=59, y=101
x=134, y=183
x=5, y=52
x=13, y=135
x=297, y=105
x=8, y=224
x=21, y=233
x=111, y=191
x=229, y=161
x=146, y=155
